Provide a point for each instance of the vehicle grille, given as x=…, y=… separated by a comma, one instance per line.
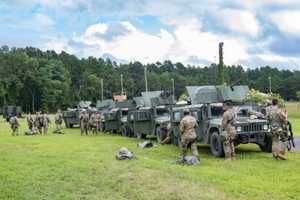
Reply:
x=252, y=127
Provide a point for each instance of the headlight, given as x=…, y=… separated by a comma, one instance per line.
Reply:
x=238, y=129
x=265, y=127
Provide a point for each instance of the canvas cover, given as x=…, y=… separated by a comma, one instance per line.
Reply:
x=215, y=94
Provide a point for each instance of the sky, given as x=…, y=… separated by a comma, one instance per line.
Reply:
x=255, y=32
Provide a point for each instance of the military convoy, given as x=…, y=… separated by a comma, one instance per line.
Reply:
x=150, y=114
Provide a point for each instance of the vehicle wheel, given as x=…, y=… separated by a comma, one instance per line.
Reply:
x=67, y=125
x=267, y=146
x=216, y=145
x=71, y=125
x=141, y=136
x=124, y=131
x=160, y=134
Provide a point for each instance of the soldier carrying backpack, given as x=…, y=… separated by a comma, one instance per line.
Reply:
x=14, y=124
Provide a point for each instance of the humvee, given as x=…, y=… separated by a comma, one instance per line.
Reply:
x=152, y=115
x=208, y=111
x=9, y=111
x=116, y=117
x=71, y=116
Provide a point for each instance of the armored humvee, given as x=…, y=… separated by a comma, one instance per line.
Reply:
x=9, y=111
x=207, y=109
x=117, y=116
x=152, y=115
x=71, y=116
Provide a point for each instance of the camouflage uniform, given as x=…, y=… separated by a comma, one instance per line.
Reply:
x=84, y=123
x=277, y=120
x=46, y=122
x=14, y=124
x=38, y=121
x=58, y=121
x=167, y=140
x=98, y=122
x=93, y=123
x=229, y=133
x=187, y=128
x=30, y=122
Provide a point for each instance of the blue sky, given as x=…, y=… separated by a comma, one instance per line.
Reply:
x=255, y=33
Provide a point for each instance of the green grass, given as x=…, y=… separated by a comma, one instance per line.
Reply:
x=293, y=109
x=71, y=166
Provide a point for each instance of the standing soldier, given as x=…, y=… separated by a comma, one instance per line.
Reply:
x=84, y=122
x=93, y=123
x=277, y=118
x=228, y=130
x=30, y=122
x=38, y=121
x=58, y=121
x=14, y=124
x=98, y=121
x=46, y=123
x=188, y=134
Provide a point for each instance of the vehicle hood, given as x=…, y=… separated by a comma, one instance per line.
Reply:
x=240, y=120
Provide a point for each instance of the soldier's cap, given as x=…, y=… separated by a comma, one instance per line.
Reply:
x=186, y=111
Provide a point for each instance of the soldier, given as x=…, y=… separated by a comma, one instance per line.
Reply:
x=98, y=121
x=30, y=122
x=46, y=122
x=277, y=118
x=167, y=140
x=93, y=124
x=84, y=122
x=38, y=121
x=188, y=134
x=14, y=124
x=228, y=130
x=58, y=121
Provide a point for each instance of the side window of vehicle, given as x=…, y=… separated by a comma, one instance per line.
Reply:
x=177, y=116
x=195, y=114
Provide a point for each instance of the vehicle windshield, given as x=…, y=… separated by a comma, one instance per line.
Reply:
x=217, y=111
x=124, y=112
x=243, y=110
x=162, y=112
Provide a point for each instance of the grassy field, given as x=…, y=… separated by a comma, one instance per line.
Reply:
x=293, y=109
x=71, y=166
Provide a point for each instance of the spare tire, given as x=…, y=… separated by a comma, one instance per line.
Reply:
x=216, y=145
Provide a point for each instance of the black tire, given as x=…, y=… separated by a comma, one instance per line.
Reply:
x=67, y=125
x=160, y=134
x=71, y=125
x=267, y=146
x=141, y=136
x=216, y=145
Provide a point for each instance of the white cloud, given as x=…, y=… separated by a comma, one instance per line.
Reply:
x=240, y=21
x=287, y=21
x=186, y=43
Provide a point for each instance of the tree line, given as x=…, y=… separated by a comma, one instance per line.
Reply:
x=46, y=80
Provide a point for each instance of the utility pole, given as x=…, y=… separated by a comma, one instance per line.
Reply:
x=146, y=81
x=122, y=89
x=101, y=89
x=270, y=84
x=221, y=65
x=173, y=88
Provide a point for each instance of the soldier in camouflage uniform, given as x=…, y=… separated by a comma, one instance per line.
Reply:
x=229, y=131
x=277, y=118
x=188, y=124
x=14, y=124
x=84, y=122
x=98, y=122
x=58, y=121
x=46, y=123
x=38, y=121
x=167, y=140
x=30, y=121
x=93, y=124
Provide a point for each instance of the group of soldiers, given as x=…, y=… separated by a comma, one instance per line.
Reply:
x=38, y=124
x=277, y=119
x=90, y=122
